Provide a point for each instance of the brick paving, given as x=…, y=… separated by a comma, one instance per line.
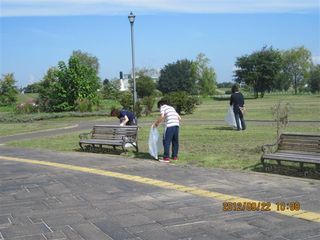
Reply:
x=41, y=202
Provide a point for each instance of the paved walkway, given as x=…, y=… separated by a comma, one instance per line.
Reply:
x=59, y=196
x=83, y=196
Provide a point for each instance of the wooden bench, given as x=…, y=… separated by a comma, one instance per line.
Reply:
x=111, y=135
x=294, y=147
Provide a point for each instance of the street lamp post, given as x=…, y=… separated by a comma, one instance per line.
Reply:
x=131, y=18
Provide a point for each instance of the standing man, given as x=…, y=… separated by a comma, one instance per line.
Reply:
x=237, y=101
x=171, y=133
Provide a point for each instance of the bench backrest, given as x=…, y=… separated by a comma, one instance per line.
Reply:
x=114, y=132
x=300, y=142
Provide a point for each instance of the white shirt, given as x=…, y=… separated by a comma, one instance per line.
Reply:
x=171, y=116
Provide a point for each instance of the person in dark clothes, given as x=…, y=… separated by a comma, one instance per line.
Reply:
x=237, y=101
x=126, y=117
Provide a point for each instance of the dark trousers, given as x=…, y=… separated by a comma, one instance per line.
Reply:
x=171, y=135
x=239, y=118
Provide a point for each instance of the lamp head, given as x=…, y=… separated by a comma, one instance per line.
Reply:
x=131, y=17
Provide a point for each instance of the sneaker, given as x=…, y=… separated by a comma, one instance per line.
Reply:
x=175, y=158
x=166, y=160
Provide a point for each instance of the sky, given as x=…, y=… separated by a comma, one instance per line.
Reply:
x=37, y=34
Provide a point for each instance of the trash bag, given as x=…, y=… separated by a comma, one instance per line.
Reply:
x=155, y=144
x=230, y=119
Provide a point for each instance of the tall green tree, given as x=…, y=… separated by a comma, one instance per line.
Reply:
x=296, y=64
x=87, y=59
x=206, y=76
x=314, y=79
x=259, y=69
x=178, y=76
x=145, y=85
x=8, y=90
x=69, y=85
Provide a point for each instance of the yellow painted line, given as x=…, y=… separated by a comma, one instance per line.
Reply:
x=302, y=214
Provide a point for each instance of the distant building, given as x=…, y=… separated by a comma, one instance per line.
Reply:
x=124, y=80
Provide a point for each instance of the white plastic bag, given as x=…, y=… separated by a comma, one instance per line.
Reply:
x=230, y=119
x=154, y=142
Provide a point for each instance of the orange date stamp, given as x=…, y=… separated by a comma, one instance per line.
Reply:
x=260, y=206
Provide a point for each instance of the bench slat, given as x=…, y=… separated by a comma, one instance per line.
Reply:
x=296, y=147
x=112, y=135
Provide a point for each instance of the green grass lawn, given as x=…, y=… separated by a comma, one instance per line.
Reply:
x=214, y=144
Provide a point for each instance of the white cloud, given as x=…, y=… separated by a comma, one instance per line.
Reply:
x=121, y=7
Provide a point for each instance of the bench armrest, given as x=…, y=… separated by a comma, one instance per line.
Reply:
x=266, y=148
x=84, y=135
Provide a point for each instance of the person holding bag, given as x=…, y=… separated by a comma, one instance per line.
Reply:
x=237, y=101
x=171, y=133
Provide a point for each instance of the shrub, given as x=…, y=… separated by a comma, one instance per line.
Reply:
x=126, y=100
x=30, y=106
x=182, y=102
x=148, y=102
x=84, y=105
x=137, y=109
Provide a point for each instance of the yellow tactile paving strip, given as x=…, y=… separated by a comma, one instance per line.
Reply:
x=302, y=214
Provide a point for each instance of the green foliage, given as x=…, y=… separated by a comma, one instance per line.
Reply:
x=8, y=90
x=29, y=106
x=138, y=109
x=314, y=79
x=259, y=69
x=145, y=85
x=84, y=105
x=32, y=88
x=148, y=102
x=181, y=101
x=206, y=76
x=126, y=100
x=296, y=64
x=178, y=76
x=20, y=118
x=63, y=88
x=225, y=85
x=86, y=59
x=111, y=89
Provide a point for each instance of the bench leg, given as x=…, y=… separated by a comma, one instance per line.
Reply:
x=80, y=144
x=301, y=165
x=263, y=164
x=279, y=162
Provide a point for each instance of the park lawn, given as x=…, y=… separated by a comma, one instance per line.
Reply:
x=301, y=108
x=208, y=145
x=7, y=129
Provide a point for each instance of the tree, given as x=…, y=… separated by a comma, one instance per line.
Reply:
x=145, y=85
x=206, y=76
x=65, y=87
x=178, y=76
x=8, y=90
x=32, y=88
x=259, y=69
x=297, y=63
x=111, y=89
x=314, y=79
x=86, y=59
